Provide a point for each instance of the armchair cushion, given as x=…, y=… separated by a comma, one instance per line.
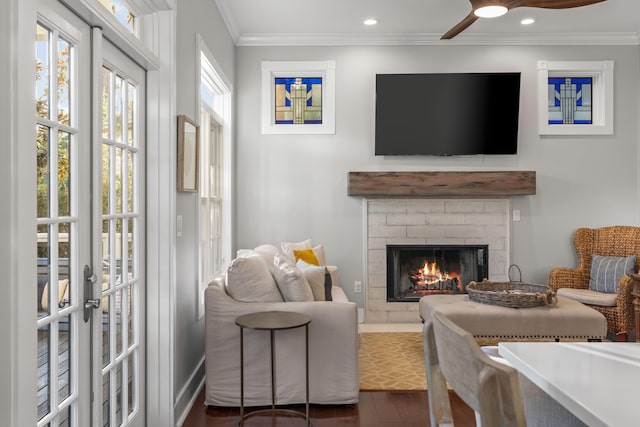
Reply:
x=606, y=272
x=587, y=296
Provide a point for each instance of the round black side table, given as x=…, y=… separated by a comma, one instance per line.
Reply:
x=273, y=321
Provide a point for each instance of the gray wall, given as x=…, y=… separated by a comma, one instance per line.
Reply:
x=193, y=17
x=290, y=187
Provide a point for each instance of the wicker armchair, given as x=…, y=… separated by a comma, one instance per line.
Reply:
x=607, y=241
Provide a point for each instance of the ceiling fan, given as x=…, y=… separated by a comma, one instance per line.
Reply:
x=493, y=8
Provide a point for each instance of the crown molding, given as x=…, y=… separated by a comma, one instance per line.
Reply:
x=390, y=39
x=229, y=20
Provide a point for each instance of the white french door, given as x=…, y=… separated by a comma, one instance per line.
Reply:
x=118, y=350
x=90, y=142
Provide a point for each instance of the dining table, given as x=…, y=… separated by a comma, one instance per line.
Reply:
x=596, y=381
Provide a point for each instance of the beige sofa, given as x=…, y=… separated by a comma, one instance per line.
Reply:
x=333, y=350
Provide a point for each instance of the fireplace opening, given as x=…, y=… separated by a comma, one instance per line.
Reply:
x=414, y=271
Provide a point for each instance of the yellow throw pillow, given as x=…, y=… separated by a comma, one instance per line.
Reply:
x=306, y=255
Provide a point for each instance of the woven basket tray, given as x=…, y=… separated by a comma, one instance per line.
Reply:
x=511, y=294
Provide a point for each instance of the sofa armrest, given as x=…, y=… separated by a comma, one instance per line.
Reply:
x=568, y=278
x=333, y=351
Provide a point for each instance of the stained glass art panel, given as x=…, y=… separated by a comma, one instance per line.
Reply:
x=570, y=100
x=298, y=100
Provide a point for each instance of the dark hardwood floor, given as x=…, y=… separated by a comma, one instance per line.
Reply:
x=375, y=409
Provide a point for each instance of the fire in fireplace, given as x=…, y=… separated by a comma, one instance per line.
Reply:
x=414, y=271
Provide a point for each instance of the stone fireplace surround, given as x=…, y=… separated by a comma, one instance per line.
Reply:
x=433, y=208
x=433, y=222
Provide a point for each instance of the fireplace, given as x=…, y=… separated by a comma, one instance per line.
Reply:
x=414, y=271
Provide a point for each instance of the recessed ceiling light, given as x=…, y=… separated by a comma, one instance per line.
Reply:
x=490, y=11
x=527, y=21
x=370, y=21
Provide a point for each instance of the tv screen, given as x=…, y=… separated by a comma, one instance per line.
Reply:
x=447, y=114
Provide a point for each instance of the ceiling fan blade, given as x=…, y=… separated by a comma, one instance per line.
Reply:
x=553, y=4
x=460, y=26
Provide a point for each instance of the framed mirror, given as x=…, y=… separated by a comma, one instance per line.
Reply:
x=188, y=140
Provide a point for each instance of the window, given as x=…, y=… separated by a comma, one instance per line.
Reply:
x=575, y=98
x=215, y=167
x=123, y=14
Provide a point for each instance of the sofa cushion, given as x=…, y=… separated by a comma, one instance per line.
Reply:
x=249, y=279
x=267, y=251
x=290, y=280
x=319, y=280
x=606, y=272
x=587, y=296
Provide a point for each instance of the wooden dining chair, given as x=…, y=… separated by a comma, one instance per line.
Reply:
x=490, y=388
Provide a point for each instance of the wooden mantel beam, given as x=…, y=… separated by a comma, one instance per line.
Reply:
x=442, y=184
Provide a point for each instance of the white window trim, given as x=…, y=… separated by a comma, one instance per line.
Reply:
x=602, y=110
x=227, y=156
x=324, y=69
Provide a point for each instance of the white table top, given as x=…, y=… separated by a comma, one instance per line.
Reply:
x=599, y=382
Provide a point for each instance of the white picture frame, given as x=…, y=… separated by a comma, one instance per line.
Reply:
x=274, y=69
x=602, y=96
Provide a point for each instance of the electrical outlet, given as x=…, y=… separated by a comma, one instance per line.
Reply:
x=357, y=286
x=179, y=226
x=516, y=215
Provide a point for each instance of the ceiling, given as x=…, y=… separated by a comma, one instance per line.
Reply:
x=340, y=22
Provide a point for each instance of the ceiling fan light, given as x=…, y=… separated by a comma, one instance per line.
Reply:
x=490, y=11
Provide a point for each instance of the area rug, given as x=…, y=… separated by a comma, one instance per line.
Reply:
x=392, y=361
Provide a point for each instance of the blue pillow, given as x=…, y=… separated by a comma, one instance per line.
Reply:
x=606, y=272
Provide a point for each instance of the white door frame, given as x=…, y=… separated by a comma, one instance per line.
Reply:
x=17, y=183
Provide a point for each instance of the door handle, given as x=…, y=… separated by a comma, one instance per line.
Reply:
x=92, y=304
x=89, y=302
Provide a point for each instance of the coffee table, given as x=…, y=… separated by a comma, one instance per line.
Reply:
x=273, y=321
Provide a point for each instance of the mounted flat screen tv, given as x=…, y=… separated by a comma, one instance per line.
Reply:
x=447, y=114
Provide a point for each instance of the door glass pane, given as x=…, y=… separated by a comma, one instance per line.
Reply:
x=130, y=260
x=130, y=309
x=130, y=106
x=65, y=418
x=118, y=249
x=130, y=379
x=118, y=313
x=120, y=396
x=64, y=62
x=64, y=174
x=106, y=105
x=106, y=408
x=44, y=271
x=118, y=166
x=118, y=109
x=42, y=168
x=106, y=173
x=42, y=71
x=44, y=345
x=64, y=265
x=106, y=323
x=130, y=187
x=64, y=355
x=105, y=255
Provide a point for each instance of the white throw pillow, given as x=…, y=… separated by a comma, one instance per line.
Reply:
x=290, y=280
x=267, y=251
x=288, y=247
x=319, y=252
x=315, y=275
x=249, y=279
